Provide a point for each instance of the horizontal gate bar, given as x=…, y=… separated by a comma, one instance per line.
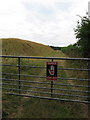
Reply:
x=46, y=92
x=55, y=58
x=22, y=66
x=43, y=77
x=44, y=67
x=76, y=79
x=50, y=98
x=46, y=83
x=74, y=69
x=48, y=88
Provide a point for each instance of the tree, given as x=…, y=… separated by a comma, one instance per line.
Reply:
x=82, y=33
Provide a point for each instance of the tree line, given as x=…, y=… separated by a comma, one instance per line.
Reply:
x=82, y=33
x=82, y=47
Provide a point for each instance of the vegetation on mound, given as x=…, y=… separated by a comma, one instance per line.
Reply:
x=18, y=47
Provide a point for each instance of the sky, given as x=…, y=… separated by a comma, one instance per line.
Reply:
x=49, y=22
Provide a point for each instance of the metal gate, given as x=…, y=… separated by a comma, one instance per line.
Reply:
x=26, y=76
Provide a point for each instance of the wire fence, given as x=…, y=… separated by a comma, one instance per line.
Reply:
x=26, y=76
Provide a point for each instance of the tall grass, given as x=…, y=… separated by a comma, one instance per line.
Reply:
x=74, y=51
x=37, y=108
x=24, y=107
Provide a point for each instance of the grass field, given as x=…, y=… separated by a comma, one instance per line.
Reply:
x=24, y=107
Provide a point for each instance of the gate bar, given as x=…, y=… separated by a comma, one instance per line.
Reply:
x=48, y=88
x=61, y=78
x=70, y=95
x=79, y=69
x=49, y=98
x=46, y=83
x=56, y=58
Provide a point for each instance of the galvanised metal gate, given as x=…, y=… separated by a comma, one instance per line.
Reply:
x=26, y=76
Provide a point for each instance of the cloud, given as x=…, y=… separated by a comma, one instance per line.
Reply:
x=50, y=22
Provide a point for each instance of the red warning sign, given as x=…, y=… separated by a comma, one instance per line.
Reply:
x=51, y=70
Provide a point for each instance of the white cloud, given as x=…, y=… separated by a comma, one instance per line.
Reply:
x=44, y=21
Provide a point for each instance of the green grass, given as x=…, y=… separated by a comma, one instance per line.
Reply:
x=74, y=51
x=24, y=107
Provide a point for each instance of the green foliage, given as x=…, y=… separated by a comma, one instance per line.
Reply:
x=72, y=50
x=82, y=32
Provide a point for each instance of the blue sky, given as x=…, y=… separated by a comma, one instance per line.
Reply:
x=50, y=22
